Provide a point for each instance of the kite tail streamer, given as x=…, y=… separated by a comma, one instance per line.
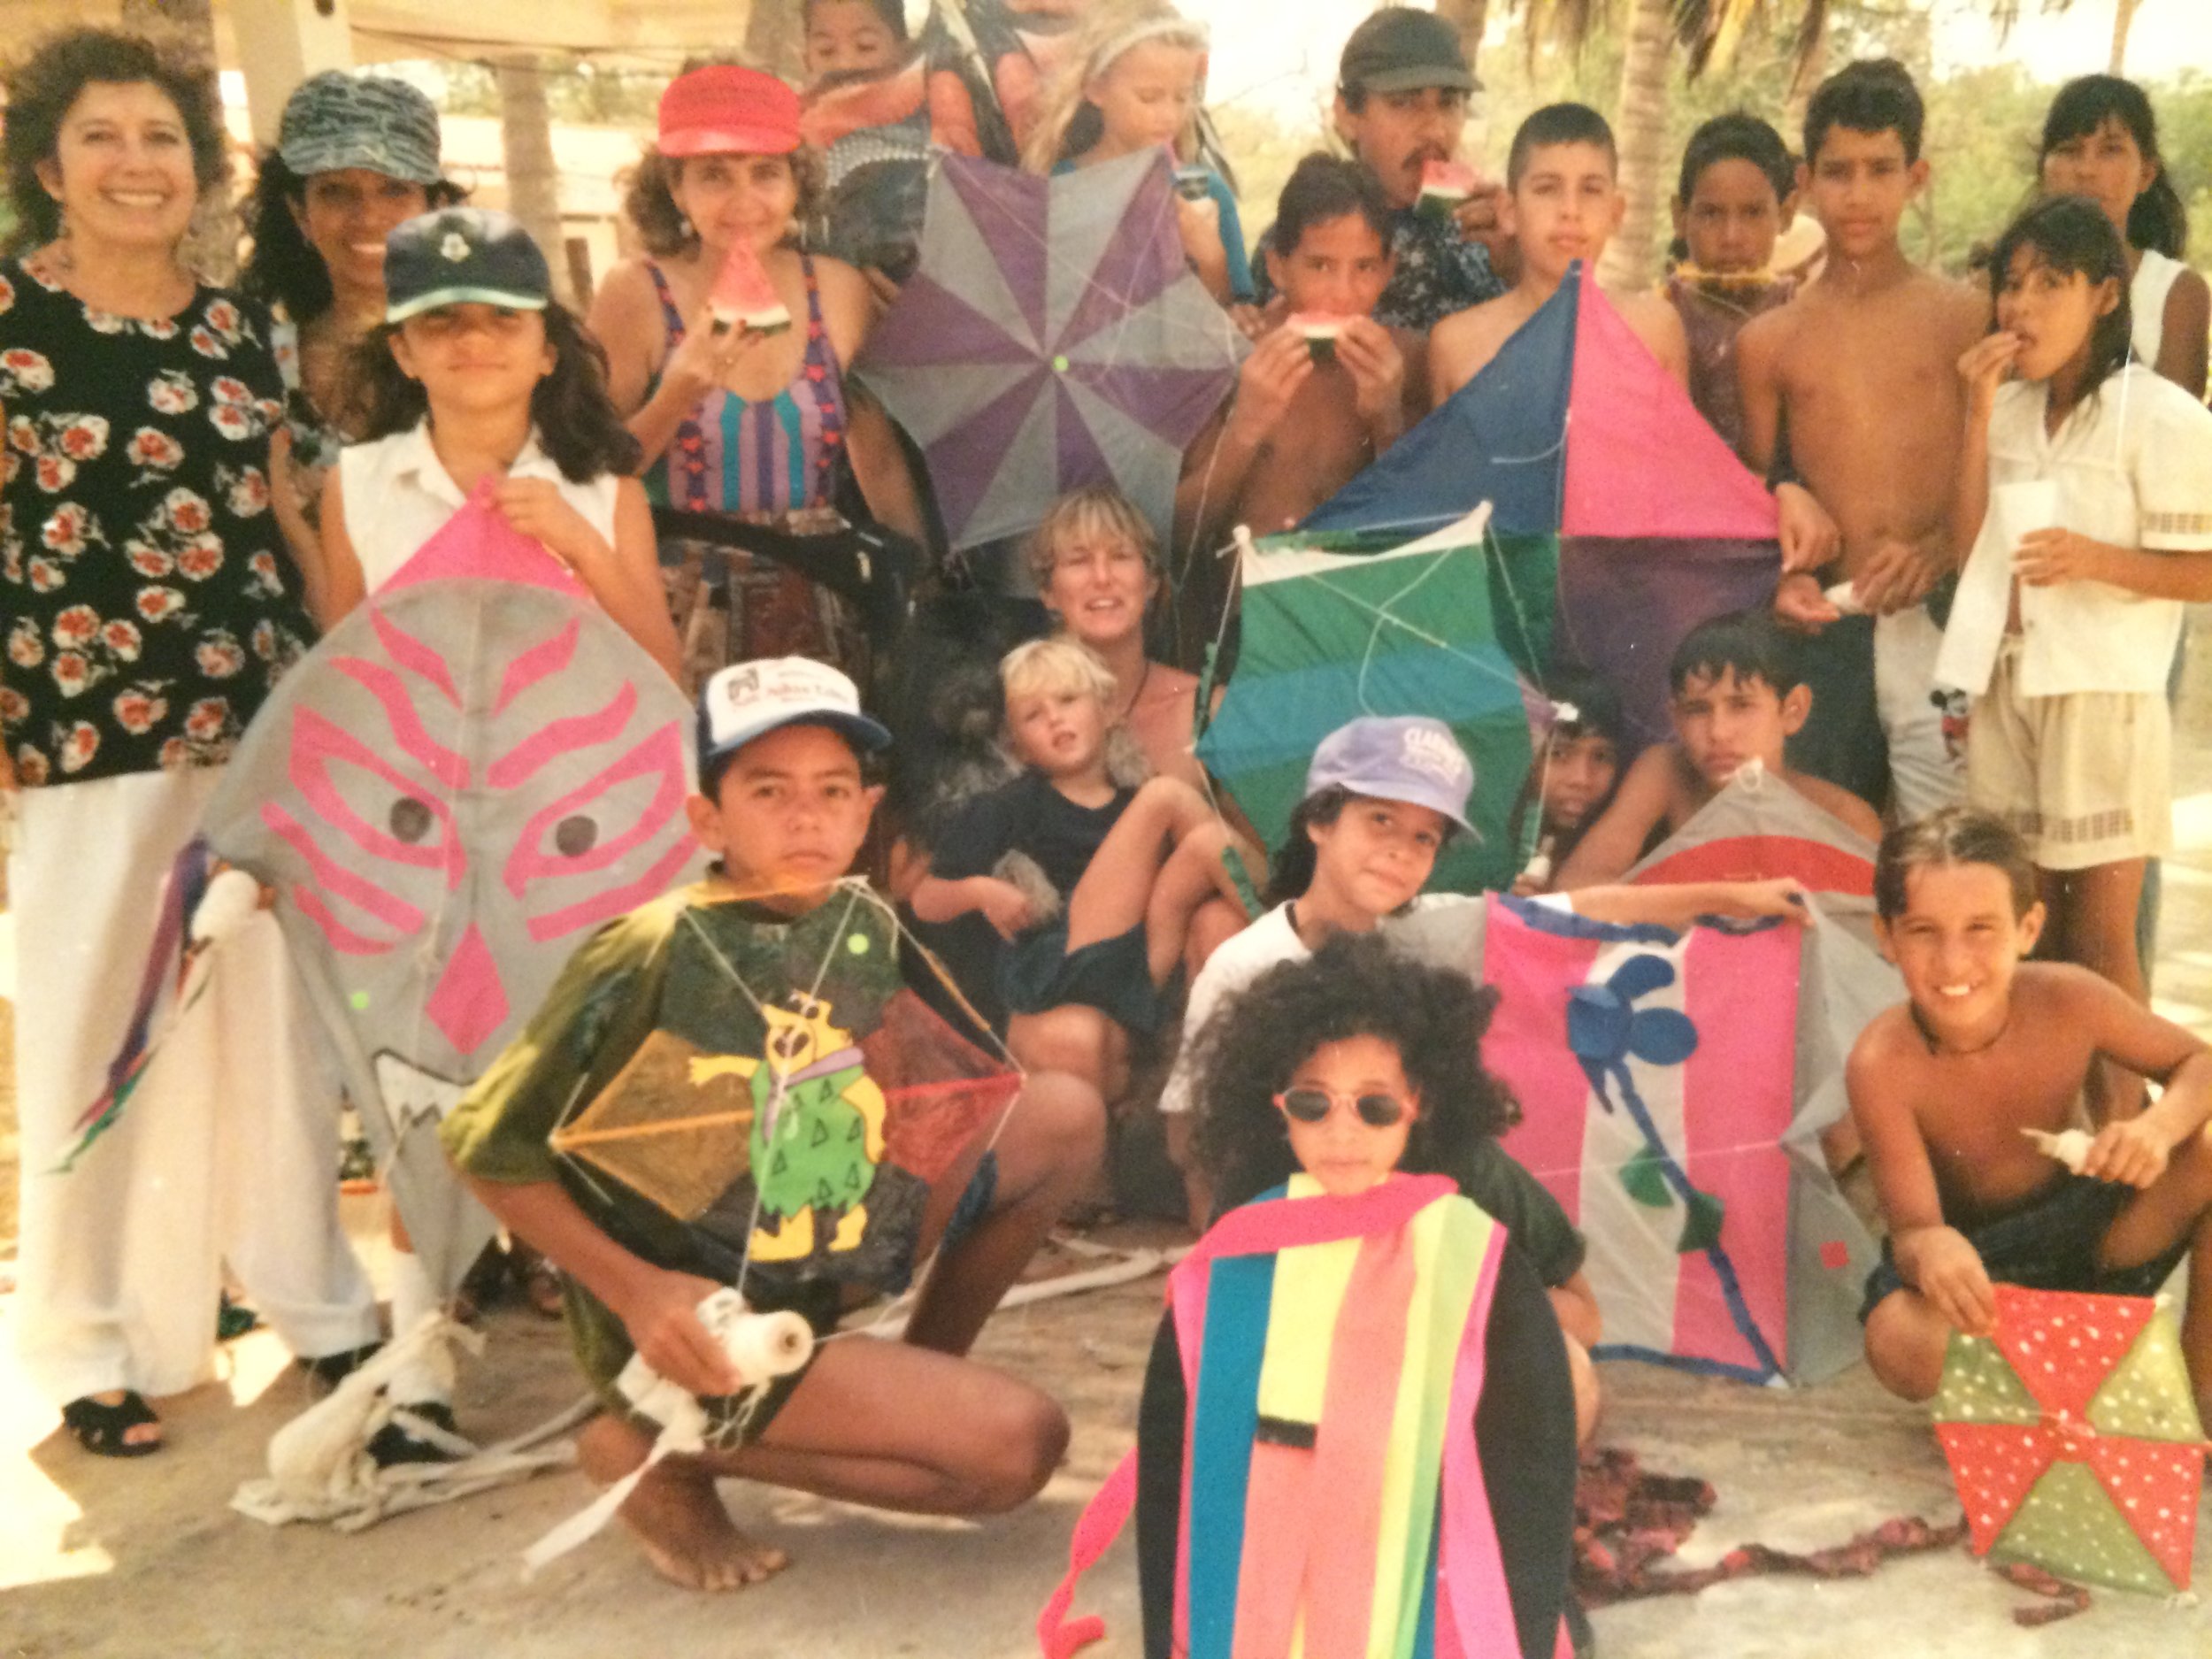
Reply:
x=181, y=893
x=1059, y=1636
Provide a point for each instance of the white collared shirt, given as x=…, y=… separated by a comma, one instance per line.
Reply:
x=2131, y=466
x=398, y=494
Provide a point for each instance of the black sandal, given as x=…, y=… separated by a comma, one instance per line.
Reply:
x=100, y=1428
x=393, y=1443
x=330, y=1370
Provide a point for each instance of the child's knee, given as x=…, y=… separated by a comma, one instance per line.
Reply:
x=2194, y=1156
x=1024, y=1438
x=1584, y=1372
x=1205, y=841
x=1066, y=1116
x=1906, y=1340
x=1071, y=1039
x=1172, y=799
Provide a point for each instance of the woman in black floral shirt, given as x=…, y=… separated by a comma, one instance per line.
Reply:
x=150, y=604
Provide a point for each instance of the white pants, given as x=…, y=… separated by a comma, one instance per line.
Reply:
x=1926, y=770
x=228, y=1149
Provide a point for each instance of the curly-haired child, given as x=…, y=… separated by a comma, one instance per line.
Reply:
x=1354, y=1297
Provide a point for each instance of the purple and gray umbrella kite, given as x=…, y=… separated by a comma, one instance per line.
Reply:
x=1053, y=336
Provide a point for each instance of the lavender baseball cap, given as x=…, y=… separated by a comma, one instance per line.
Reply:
x=1404, y=757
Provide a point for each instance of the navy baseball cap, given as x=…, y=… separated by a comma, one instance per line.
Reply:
x=750, y=699
x=462, y=255
x=1405, y=757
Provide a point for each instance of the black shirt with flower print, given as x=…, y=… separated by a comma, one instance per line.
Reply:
x=149, y=602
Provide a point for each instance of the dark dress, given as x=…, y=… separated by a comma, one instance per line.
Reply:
x=1524, y=1435
x=150, y=601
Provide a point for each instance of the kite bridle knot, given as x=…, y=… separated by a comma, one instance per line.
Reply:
x=2073, y=1435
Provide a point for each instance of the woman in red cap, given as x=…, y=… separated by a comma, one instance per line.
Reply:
x=745, y=415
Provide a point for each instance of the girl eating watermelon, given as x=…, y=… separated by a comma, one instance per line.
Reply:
x=725, y=347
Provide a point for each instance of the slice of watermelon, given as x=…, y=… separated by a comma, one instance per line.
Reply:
x=1320, y=329
x=1444, y=186
x=743, y=297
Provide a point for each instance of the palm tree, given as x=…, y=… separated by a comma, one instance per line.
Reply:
x=1708, y=31
x=1639, y=126
x=2122, y=21
x=1469, y=17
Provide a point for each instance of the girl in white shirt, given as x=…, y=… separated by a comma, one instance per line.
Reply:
x=478, y=378
x=2085, y=495
x=2101, y=141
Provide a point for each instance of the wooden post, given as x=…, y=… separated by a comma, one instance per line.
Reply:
x=533, y=193
x=279, y=43
x=775, y=39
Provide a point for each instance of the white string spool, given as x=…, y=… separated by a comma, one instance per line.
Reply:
x=762, y=1347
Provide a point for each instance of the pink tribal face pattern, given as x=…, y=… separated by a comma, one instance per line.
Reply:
x=459, y=783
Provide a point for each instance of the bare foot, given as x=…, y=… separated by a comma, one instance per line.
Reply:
x=676, y=1513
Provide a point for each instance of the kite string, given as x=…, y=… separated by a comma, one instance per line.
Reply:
x=1422, y=634
x=1493, y=548
x=1427, y=522
x=1688, y=1288
x=856, y=889
x=778, y=1083
x=1243, y=541
x=1387, y=612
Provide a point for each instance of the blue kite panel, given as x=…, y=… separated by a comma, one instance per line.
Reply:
x=1501, y=438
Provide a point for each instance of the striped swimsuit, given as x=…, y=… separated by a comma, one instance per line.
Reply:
x=761, y=461
x=772, y=456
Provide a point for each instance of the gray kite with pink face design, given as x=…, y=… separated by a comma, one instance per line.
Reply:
x=465, y=778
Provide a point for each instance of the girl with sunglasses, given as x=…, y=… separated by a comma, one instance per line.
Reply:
x=1376, y=1273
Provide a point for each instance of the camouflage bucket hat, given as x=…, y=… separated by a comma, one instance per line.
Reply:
x=334, y=121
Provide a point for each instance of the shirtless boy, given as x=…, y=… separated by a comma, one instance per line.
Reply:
x=1302, y=425
x=1562, y=202
x=1991, y=1046
x=785, y=806
x=1738, y=697
x=1860, y=371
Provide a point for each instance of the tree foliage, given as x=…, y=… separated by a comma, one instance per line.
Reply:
x=1983, y=124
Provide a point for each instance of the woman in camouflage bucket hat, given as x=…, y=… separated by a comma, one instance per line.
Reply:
x=355, y=155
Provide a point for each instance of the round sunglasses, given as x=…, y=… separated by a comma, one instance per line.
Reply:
x=1311, y=1104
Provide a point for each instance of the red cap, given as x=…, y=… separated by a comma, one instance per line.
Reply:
x=726, y=109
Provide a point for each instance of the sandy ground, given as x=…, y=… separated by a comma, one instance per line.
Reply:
x=102, y=1560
